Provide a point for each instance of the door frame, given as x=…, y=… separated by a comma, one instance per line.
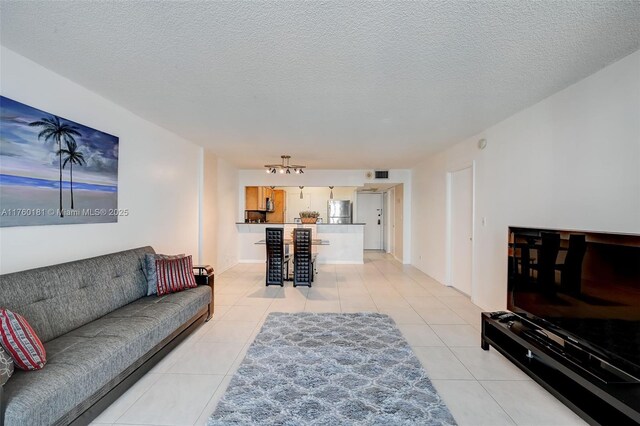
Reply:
x=385, y=222
x=391, y=216
x=449, y=242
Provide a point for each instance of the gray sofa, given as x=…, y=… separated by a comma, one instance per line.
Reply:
x=100, y=330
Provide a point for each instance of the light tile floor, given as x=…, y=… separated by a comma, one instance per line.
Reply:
x=442, y=326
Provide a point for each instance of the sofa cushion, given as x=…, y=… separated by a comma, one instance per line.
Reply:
x=82, y=361
x=21, y=342
x=175, y=275
x=60, y=298
x=6, y=366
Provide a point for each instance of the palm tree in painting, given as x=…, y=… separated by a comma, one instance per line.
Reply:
x=71, y=156
x=54, y=129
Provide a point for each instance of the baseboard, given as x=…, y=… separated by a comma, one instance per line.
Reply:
x=219, y=271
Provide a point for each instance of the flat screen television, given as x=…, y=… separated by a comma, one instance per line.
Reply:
x=583, y=287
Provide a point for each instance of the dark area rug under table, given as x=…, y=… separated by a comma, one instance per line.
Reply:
x=330, y=369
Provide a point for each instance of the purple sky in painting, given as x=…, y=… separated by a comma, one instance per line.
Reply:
x=22, y=154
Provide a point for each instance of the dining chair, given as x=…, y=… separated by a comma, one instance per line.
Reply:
x=521, y=260
x=571, y=269
x=303, y=257
x=277, y=259
x=545, y=262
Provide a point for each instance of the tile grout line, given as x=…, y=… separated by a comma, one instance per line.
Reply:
x=496, y=401
x=136, y=400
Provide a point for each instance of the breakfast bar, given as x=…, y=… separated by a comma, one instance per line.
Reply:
x=345, y=241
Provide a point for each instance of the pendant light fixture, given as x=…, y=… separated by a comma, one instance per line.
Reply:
x=331, y=193
x=284, y=167
x=301, y=195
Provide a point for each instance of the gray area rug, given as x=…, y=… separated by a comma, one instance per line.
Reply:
x=330, y=369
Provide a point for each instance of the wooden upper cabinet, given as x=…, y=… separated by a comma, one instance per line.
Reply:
x=262, y=198
x=256, y=197
x=251, y=198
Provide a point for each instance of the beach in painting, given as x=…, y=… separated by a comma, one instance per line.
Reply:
x=32, y=199
x=36, y=148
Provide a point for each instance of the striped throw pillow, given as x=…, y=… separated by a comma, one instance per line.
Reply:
x=175, y=275
x=20, y=341
x=150, y=267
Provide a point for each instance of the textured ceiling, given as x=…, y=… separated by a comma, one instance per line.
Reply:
x=335, y=84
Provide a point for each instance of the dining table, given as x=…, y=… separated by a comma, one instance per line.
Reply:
x=289, y=242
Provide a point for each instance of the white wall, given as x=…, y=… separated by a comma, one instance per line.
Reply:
x=325, y=178
x=571, y=161
x=227, y=214
x=158, y=177
x=208, y=244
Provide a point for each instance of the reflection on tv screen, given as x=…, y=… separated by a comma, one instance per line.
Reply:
x=585, y=283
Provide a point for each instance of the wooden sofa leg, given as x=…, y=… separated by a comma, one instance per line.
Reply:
x=209, y=313
x=212, y=305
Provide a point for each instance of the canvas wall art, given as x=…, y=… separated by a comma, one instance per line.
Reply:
x=54, y=171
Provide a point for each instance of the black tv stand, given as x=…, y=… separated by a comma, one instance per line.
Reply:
x=596, y=395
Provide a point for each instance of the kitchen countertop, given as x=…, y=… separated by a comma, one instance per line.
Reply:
x=295, y=223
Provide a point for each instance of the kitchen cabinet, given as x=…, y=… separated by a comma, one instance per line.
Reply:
x=256, y=197
x=262, y=199
x=251, y=198
x=279, y=199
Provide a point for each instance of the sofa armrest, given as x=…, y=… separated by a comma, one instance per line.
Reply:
x=203, y=270
x=204, y=276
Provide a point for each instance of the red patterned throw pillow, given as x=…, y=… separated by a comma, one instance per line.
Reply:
x=20, y=341
x=175, y=275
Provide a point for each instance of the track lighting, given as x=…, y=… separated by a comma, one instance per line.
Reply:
x=284, y=167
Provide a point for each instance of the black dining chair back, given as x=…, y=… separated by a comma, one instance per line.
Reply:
x=302, y=257
x=521, y=260
x=546, y=261
x=276, y=260
x=571, y=269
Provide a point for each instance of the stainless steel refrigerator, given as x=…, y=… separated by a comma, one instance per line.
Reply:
x=339, y=211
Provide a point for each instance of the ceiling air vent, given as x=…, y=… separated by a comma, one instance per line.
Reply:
x=382, y=174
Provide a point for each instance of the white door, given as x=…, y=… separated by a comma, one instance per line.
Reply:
x=461, y=229
x=370, y=213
